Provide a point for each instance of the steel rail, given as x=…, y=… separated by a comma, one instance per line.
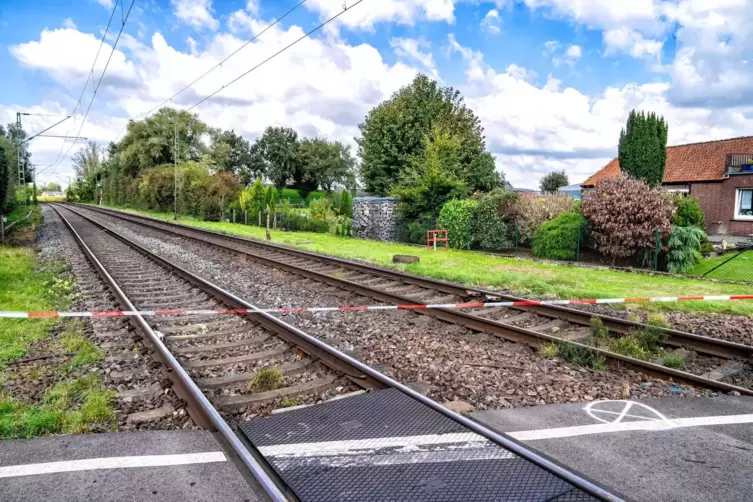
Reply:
x=675, y=338
x=502, y=440
x=503, y=330
x=202, y=406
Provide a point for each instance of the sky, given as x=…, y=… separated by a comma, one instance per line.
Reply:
x=552, y=81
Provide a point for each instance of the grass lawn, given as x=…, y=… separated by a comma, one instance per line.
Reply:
x=522, y=277
x=76, y=402
x=738, y=269
x=22, y=289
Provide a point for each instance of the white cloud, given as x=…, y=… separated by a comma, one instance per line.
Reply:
x=550, y=46
x=68, y=23
x=106, y=3
x=195, y=13
x=568, y=56
x=534, y=129
x=325, y=86
x=631, y=42
x=574, y=51
x=410, y=48
x=599, y=14
x=713, y=63
x=54, y=55
x=365, y=16
x=253, y=6
x=491, y=22
x=322, y=87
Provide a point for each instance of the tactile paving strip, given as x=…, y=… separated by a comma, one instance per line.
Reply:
x=384, y=446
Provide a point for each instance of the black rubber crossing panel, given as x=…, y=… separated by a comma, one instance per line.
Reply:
x=385, y=446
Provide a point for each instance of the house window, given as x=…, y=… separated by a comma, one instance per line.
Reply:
x=744, y=205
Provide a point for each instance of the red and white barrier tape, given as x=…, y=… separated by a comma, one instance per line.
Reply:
x=287, y=310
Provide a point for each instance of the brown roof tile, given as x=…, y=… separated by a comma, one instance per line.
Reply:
x=692, y=162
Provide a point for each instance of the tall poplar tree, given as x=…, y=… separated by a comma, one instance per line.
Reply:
x=642, y=149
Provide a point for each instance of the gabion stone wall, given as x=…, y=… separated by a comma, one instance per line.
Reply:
x=375, y=218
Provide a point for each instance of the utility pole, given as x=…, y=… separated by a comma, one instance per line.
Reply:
x=175, y=157
x=21, y=174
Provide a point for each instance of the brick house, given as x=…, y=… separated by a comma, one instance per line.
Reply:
x=719, y=173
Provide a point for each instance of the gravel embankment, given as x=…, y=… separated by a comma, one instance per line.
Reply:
x=733, y=328
x=448, y=361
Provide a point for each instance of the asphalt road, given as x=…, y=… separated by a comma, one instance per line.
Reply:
x=662, y=450
x=177, y=466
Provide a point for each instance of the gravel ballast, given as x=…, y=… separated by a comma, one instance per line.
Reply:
x=449, y=362
x=128, y=369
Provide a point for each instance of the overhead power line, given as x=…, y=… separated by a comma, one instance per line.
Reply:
x=305, y=35
x=88, y=77
x=269, y=26
x=101, y=77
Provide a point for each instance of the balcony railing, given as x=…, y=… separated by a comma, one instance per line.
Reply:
x=739, y=163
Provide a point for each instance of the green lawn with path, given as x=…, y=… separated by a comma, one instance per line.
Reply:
x=522, y=277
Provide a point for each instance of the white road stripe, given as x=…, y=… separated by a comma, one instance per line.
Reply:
x=478, y=451
x=360, y=446
x=641, y=425
x=90, y=464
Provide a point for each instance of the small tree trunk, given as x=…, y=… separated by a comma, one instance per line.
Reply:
x=269, y=237
x=259, y=218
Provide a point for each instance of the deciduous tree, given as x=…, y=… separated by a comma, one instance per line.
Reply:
x=279, y=148
x=327, y=163
x=551, y=182
x=393, y=136
x=432, y=180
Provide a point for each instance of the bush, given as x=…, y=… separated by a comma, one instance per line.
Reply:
x=489, y=228
x=598, y=330
x=688, y=213
x=673, y=361
x=455, y=217
x=532, y=212
x=683, y=249
x=582, y=356
x=414, y=231
x=321, y=208
x=252, y=199
x=346, y=204
x=292, y=195
x=557, y=239
x=314, y=196
x=707, y=248
x=624, y=215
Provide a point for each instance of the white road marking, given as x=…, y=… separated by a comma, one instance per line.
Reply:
x=478, y=451
x=90, y=464
x=595, y=408
x=642, y=425
x=360, y=446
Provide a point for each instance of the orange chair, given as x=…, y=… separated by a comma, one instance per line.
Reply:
x=434, y=236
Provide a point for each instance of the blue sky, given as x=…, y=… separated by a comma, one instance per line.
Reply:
x=551, y=80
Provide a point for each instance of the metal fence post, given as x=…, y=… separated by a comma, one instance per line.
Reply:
x=233, y=215
x=656, y=253
x=577, y=251
x=517, y=237
x=2, y=229
x=468, y=234
x=245, y=216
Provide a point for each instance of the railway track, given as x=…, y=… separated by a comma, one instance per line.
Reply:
x=529, y=325
x=203, y=355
